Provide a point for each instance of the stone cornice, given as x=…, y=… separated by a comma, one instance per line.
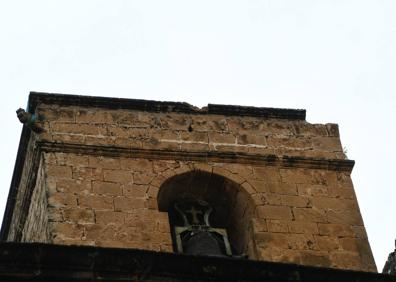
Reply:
x=203, y=156
x=46, y=262
x=36, y=98
x=113, y=151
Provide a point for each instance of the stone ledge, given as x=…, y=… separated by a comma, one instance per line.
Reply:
x=46, y=262
x=156, y=106
x=204, y=156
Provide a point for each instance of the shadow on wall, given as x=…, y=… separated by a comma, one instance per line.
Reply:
x=231, y=204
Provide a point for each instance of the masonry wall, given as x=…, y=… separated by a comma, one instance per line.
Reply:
x=99, y=193
x=177, y=131
x=36, y=227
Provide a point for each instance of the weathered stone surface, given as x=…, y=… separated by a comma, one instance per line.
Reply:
x=104, y=169
x=106, y=188
x=274, y=212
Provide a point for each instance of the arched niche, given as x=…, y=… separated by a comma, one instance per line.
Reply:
x=232, y=205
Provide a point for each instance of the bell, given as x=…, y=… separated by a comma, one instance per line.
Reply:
x=197, y=237
x=202, y=243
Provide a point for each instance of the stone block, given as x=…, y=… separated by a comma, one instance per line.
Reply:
x=282, y=188
x=222, y=138
x=352, y=217
x=316, y=258
x=296, y=201
x=350, y=244
x=55, y=215
x=73, y=128
x=118, y=176
x=322, y=177
x=164, y=227
x=203, y=167
x=128, y=143
x=301, y=242
x=99, y=140
x=175, y=121
x=346, y=260
x=106, y=188
x=332, y=129
x=249, y=138
x=327, y=143
x=58, y=172
x=164, y=135
x=82, y=173
x=134, y=190
x=289, y=142
x=76, y=160
x=207, y=123
x=336, y=204
x=307, y=129
x=126, y=132
x=303, y=227
x=343, y=193
x=73, y=186
x=309, y=215
x=152, y=204
x=327, y=243
x=128, y=204
x=272, y=240
x=266, y=199
x=296, y=176
x=107, y=217
x=248, y=188
x=96, y=202
x=287, y=256
x=131, y=119
x=143, y=178
x=259, y=225
x=60, y=200
x=277, y=226
x=312, y=190
x=359, y=232
x=274, y=212
x=78, y=215
x=93, y=116
x=141, y=165
x=332, y=229
x=59, y=114
x=66, y=230
x=258, y=185
x=194, y=147
x=49, y=158
x=104, y=162
x=278, y=127
x=68, y=138
x=152, y=191
x=194, y=136
x=267, y=173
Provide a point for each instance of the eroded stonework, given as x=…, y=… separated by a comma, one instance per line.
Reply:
x=102, y=170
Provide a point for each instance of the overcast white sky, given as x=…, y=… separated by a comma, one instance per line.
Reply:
x=334, y=58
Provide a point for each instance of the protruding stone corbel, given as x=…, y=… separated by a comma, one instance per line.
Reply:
x=29, y=120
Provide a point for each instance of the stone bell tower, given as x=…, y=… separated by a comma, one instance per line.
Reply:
x=232, y=181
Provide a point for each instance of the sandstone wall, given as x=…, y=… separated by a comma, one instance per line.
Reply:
x=36, y=225
x=184, y=132
x=102, y=192
x=25, y=186
x=302, y=215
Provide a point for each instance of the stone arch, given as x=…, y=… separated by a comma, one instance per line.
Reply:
x=233, y=204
